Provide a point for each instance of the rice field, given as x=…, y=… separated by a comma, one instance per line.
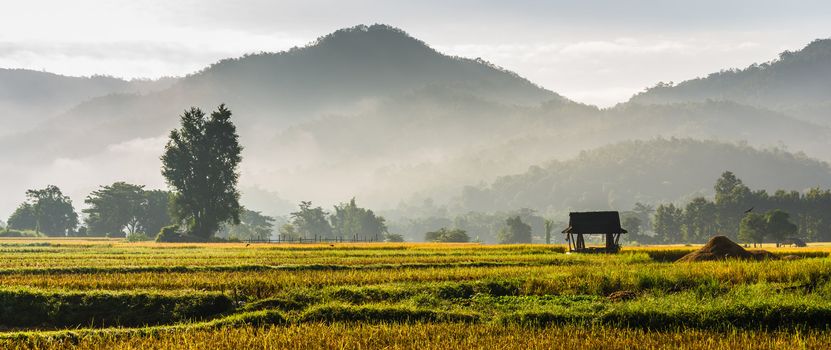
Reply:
x=108, y=294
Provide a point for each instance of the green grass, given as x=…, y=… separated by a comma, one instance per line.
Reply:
x=105, y=291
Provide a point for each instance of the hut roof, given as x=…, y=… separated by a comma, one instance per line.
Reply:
x=594, y=222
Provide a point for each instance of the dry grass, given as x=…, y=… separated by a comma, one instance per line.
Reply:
x=489, y=281
x=439, y=336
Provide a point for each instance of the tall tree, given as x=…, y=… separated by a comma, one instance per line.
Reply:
x=732, y=199
x=113, y=208
x=155, y=212
x=253, y=225
x=698, y=220
x=644, y=212
x=515, y=231
x=23, y=217
x=349, y=220
x=667, y=223
x=779, y=226
x=549, y=226
x=54, y=213
x=311, y=222
x=752, y=228
x=200, y=163
x=632, y=224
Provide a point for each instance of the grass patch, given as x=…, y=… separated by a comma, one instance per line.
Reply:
x=52, y=309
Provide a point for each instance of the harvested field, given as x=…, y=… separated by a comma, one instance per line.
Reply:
x=107, y=294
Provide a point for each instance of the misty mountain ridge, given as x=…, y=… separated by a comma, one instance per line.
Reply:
x=370, y=111
x=29, y=97
x=617, y=176
x=797, y=84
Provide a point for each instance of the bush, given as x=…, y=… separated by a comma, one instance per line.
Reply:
x=171, y=234
x=19, y=233
x=393, y=237
x=137, y=237
x=445, y=235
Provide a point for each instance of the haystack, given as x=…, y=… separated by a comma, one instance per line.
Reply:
x=721, y=248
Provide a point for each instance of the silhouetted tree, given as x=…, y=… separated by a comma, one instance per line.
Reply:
x=349, y=220
x=54, y=213
x=699, y=220
x=311, y=222
x=632, y=224
x=732, y=199
x=779, y=226
x=23, y=218
x=667, y=223
x=549, y=226
x=200, y=163
x=113, y=208
x=515, y=231
x=155, y=212
x=752, y=228
x=253, y=225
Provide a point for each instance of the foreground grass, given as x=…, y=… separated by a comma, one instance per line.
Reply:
x=60, y=294
x=434, y=336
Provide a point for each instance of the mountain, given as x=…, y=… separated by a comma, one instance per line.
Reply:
x=344, y=72
x=354, y=72
x=370, y=112
x=659, y=170
x=797, y=84
x=29, y=97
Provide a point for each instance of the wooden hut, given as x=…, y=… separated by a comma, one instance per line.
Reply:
x=594, y=223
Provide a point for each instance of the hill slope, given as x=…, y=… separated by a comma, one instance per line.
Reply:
x=797, y=83
x=29, y=97
x=345, y=72
x=368, y=112
x=660, y=170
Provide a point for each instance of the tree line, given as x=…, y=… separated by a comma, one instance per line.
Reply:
x=752, y=216
x=347, y=221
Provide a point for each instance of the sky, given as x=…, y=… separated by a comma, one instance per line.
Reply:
x=597, y=52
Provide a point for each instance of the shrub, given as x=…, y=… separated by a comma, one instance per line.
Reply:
x=446, y=235
x=137, y=237
x=393, y=237
x=171, y=234
x=20, y=233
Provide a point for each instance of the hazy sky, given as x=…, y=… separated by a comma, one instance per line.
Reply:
x=597, y=52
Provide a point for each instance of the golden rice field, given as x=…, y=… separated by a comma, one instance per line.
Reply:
x=107, y=294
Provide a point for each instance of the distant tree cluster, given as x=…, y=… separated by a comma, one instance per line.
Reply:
x=253, y=225
x=46, y=211
x=114, y=210
x=122, y=208
x=347, y=222
x=773, y=226
x=446, y=235
x=200, y=163
x=484, y=227
x=740, y=213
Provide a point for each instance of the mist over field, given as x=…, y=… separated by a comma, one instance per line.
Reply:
x=418, y=131
x=433, y=174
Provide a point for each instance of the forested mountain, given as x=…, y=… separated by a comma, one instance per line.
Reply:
x=660, y=170
x=342, y=73
x=28, y=97
x=797, y=83
x=370, y=112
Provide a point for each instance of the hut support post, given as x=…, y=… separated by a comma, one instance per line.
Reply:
x=569, y=238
